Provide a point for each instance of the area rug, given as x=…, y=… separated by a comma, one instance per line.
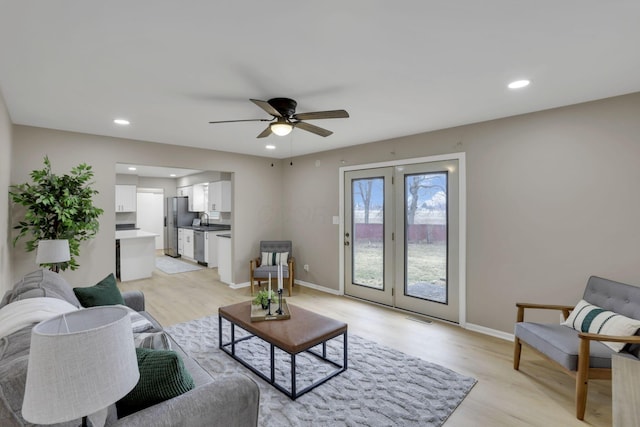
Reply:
x=381, y=387
x=173, y=266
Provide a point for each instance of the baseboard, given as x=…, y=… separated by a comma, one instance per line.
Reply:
x=317, y=287
x=297, y=282
x=488, y=331
x=470, y=326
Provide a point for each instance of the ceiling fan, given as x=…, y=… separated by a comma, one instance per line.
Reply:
x=285, y=118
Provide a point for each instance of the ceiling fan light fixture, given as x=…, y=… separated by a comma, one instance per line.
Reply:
x=281, y=128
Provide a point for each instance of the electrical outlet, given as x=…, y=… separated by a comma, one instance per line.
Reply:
x=306, y=267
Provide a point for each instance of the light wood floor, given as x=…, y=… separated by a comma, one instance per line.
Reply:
x=537, y=395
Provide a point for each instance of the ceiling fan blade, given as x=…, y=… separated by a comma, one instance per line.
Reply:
x=267, y=107
x=315, y=115
x=312, y=128
x=265, y=132
x=246, y=120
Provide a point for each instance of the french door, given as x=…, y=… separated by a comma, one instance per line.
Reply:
x=401, y=237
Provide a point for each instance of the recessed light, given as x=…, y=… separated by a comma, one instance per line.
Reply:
x=518, y=84
x=122, y=122
x=131, y=168
x=172, y=175
x=270, y=147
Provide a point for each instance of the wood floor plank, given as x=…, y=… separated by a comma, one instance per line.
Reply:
x=537, y=395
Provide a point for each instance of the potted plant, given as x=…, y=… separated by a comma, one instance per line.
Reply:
x=58, y=207
x=262, y=298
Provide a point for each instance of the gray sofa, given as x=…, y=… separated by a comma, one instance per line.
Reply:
x=230, y=400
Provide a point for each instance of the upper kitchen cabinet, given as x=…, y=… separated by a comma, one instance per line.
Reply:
x=186, y=192
x=198, y=203
x=126, y=198
x=220, y=196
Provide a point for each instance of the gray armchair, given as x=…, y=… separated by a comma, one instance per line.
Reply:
x=581, y=355
x=260, y=271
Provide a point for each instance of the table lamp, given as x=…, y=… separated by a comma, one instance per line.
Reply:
x=79, y=363
x=53, y=252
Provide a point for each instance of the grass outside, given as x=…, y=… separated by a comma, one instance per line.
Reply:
x=426, y=263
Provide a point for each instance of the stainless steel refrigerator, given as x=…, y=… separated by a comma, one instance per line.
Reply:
x=178, y=215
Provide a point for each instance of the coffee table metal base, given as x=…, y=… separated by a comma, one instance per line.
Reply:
x=294, y=393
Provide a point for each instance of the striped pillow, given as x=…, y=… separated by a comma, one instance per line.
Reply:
x=587, y=317
x=274, y=258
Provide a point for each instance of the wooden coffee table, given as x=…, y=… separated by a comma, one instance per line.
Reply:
x=304, y=330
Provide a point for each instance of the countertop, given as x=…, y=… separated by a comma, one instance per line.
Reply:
x=134, y=234
x=210, y=227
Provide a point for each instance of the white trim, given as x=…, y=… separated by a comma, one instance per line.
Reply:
x=462, y=218
x=491, y=332
x=469, y=326
x=318, y=287
x=238, y=285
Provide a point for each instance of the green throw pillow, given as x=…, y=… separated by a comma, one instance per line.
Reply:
x=106, y=292
x=162, y=376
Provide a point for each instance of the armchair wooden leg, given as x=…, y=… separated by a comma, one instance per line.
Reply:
x=517, y=349
x=582, y=379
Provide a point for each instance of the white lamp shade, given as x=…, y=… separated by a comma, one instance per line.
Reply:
x=79, y=363
x=281, y=128
x=52, y=251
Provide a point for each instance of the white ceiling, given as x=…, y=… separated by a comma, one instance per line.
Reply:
x=398, y=68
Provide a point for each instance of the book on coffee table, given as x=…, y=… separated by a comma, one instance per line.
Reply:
x=259, y=314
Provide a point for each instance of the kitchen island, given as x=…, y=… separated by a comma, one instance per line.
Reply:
x=136, y=254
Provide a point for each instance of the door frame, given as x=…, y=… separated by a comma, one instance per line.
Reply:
x=462, y=219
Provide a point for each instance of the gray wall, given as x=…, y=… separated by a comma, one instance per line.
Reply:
x=552, y=198
x=256, y=215
x=5, y=170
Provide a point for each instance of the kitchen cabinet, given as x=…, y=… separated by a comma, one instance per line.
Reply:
x=198, y=201
x=220, y=196
x=224, y=258
x=126, y=198
x=137, y=254
x=187, y=241
x=185, y=191
x=211, y=249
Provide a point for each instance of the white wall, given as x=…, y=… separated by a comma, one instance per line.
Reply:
x=5, y=169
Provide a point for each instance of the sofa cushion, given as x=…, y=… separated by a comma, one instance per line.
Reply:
x=41, y=283
x=561, y=344
x=13, y=377
x=590, y=318
x=105, y=292
x=162, y=376
x=274, y=258
x=152, y=340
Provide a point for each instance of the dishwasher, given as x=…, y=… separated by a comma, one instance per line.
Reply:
x=198, y=247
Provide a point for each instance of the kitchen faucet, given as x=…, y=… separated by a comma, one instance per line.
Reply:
x=207, y=215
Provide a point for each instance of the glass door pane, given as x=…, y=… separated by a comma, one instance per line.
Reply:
x=367, y=210
x=427, y=250
x=426, y=236
x=368, y=234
